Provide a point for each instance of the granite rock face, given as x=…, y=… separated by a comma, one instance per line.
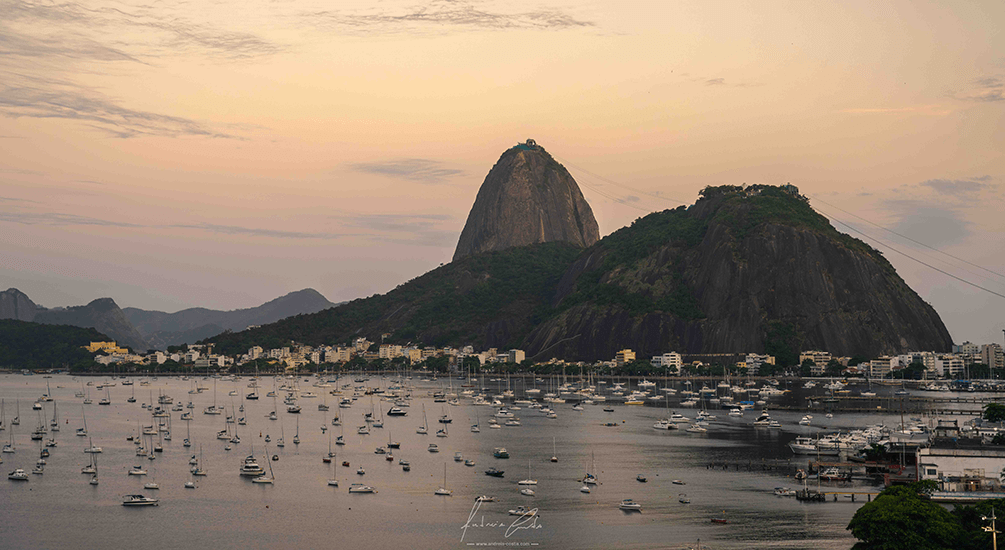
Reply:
x=16, y=305
x=527, y=198
x=740, y=271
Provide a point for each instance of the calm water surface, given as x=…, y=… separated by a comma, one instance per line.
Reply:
x=59, y=509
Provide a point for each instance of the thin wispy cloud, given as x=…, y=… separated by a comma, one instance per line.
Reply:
x=983, y=90
x=931, y=110
x=444, y=16
x=26, y=100
x=418, y=170
x=408, y=229
x=58, y=219
x=263, y=232
x=46, y=49
x=956, y=187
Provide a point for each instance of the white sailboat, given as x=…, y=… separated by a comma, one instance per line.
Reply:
x=529, y=480
x=271, y=478
x=423, y=428
x=333, y=482
x=443, y=491
x=554, y=454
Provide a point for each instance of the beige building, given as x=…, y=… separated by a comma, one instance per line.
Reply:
x=624, y=357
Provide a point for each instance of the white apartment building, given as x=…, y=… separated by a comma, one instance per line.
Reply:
x=754, y=361
x=949, y=365
x=254, y=352
x=516, y=356
x=819, y=358
x=991, y=355
x=389, y=351
x=667, y=360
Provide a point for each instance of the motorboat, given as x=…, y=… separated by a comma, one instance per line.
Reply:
x=18, y=475
x=527, y=492
x=433, y=448
x=492, y=472
x=360, y=488
x=784, y=492
x=137, y=471
x=683, y=498
x=250, y=467
x=523, y=511
x=139, y=500
x=500, y=452
x=641, y=478
x=485, y=498
x=630, y=505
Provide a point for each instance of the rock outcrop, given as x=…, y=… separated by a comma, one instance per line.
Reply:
x=527, y=198
x=16, y=305
x=743, y=270
x=103, y=315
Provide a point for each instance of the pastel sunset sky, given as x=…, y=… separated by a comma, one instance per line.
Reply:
x=223, y=153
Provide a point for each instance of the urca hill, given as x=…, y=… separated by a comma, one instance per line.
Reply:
x=752, y=269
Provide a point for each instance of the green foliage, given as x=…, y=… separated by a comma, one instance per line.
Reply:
x=451, y=305
x=25, y=345
x=784, y=341
x=834, y=368
x=994, y=412
x=648, y=234
x=900, y=517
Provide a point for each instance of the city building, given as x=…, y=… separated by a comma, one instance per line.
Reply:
x=671, y=360
x=516, y=356
x=624, y=357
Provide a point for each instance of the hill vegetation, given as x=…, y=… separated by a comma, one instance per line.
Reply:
x=491, y=299
x=25, y=345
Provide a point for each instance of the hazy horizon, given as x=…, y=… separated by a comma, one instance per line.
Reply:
x=222, y=157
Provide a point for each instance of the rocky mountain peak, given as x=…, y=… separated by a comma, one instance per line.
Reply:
x=527, y=198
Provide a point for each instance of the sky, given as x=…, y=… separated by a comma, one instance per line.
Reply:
x=223, y=153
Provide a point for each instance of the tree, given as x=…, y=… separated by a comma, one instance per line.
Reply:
x=901, y=518
x=994, y=412
x=806, y=368
x=834, y=368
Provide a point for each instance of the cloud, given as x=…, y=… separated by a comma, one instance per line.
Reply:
x=27, y=97
x=983, y=90
x=628, y=198
x=443, y=16
x=420, y=170
x=57, y=219
x=958, y=187
x=932, y=110
x=262, y=232
x=46, y=47
x=410, y=229
x=936, y=226
x=715, y=82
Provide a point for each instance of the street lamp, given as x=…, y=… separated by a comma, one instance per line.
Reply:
x=991, y=528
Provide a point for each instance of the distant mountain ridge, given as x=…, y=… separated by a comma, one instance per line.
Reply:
x=162, y=329
x=142, y=330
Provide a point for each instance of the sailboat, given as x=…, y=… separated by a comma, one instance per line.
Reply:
x=282, y=436
x=188, y=435
x=132, y=398
x=17, y=416
x=262, y=478
x=340, y=440
x=590, y=478
x=296, y=437
x=474, y=427
x=554, y=454
x=443, y=491
x=9, y=447
x=528, y=481
x=82, y=432
x=94, y=466
x=199, y=469
x=55, y=419
x=422, y=429
x=2, y=411
x=333, y=482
